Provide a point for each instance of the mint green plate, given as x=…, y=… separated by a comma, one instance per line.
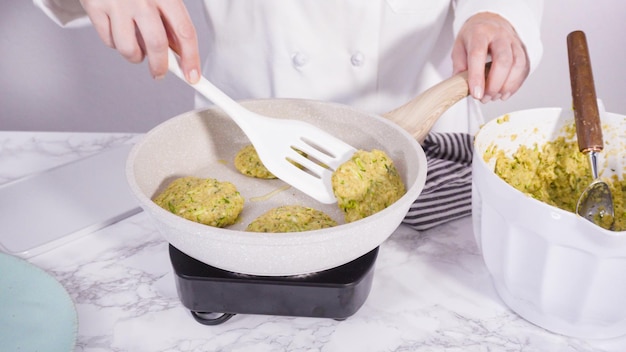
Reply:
x=36, y=312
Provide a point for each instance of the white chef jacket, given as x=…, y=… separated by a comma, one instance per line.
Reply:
x=374, y=55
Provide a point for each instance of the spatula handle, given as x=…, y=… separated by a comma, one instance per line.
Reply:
x=236, y=111
x=586, y=112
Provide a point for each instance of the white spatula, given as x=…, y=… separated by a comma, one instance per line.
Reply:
x=278, y=142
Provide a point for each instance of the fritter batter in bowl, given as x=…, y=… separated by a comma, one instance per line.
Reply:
x=555, y=173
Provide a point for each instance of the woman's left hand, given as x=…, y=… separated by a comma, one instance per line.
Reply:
x=487, y=34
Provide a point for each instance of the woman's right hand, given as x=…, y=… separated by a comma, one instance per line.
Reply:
x=145, y=28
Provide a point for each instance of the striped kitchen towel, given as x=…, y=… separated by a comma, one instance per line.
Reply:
x=447, y=194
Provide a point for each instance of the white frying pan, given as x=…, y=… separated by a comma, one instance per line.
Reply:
x=204, y=143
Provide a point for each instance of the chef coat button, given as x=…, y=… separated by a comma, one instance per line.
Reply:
x=357, y=59
x=299, y=60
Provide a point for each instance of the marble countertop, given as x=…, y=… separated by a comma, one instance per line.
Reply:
x=430, y=292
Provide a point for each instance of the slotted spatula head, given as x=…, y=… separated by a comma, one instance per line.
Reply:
x=281, y=142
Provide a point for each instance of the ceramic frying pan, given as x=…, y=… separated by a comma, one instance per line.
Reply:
x=203, y=143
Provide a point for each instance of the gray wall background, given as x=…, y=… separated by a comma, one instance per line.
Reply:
x=54, y=79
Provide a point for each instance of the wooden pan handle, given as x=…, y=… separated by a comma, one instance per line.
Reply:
x=586, y=112
x=418, y=115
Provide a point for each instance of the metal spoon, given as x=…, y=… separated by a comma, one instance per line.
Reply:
x=595, y=203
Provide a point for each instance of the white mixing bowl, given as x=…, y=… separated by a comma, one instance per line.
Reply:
x=554, y=268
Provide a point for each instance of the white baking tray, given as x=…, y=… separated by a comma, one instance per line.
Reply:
x=47, y=209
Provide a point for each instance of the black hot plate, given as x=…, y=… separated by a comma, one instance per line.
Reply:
x=214, y=295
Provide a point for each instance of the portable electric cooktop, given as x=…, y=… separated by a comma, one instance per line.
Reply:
x=214, y=295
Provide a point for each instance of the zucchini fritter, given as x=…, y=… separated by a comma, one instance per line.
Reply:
x=366, y=184
x=291, y=218
x=247, y=161
x=207, y=201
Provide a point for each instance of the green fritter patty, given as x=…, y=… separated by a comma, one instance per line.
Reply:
x=204, y=200
x=366, y=184
x=291, y=218
x=248, y=163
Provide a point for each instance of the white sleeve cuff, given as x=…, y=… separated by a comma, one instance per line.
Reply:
x=524, y=16
x=65, y=13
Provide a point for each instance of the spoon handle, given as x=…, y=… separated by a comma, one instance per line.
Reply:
x=586, y=112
